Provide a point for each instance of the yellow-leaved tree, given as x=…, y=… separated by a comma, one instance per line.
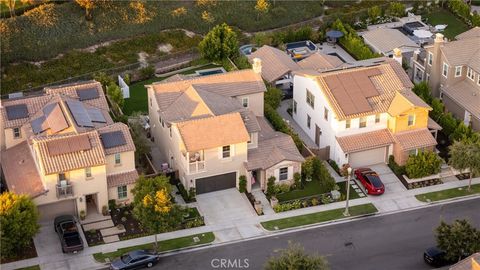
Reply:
x=262, y=7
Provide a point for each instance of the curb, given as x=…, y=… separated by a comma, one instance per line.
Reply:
x=460, y=198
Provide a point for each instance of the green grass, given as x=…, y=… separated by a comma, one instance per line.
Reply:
x=313, y=188
x=33, y=267
x=447, y=194
x=318, y=217
x=442, y=16
x=166, y=245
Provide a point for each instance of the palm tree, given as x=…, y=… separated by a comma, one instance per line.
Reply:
x=465, y=155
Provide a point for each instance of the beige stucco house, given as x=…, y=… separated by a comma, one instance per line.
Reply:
x=211, y=129
x=63, y=149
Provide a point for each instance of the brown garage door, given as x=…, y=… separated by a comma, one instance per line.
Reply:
x=48, y=212
x=217, y=182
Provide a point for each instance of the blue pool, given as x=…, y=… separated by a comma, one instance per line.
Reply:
x=300, y=44
x=210, y=71
x=246, y=49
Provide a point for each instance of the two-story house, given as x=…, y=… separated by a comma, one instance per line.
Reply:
x=452, y=70
x=211, y=129
x=362, y=114
x=63, y=149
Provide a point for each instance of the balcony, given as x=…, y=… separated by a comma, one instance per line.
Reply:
x=64, y=190
x=196, y=167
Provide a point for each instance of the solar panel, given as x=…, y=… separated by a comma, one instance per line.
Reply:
x=79, y=113
x=37, y=125
x=113, y=139
x=96, y=115
x=18, y=111
x=87, y=94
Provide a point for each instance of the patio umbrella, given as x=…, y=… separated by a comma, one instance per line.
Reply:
x=422, y=33
x=334, y=34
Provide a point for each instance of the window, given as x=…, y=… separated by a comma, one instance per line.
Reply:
x=283, y=173
x=411, y=120
x=310, y=99
x=412, y=152
x=88, y=172
x=325, y=114
x=470, y=74
x=478, y=79
x=377, y=118
x=458, y=71
x=294, y=107
x=363, y=122
x=122, y=192
x=62, y=177
x=347, y=124
x=309, y=119
x=445, y=70
x=118, y=161
x=16, y=133
x=226, y=151
x=245, y=102
x=430, y=58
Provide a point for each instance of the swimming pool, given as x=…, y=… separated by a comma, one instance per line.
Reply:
x=210, y=71
x=246, y=49
x=299, y=44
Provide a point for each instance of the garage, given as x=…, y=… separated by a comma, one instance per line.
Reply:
x=368, y=157
x=48, y=212
x=217, y=182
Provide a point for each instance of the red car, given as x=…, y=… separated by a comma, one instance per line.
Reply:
x=370, y=180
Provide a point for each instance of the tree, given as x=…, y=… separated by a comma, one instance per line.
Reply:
x=396, y=9
x=11, y=6
x=115, y=94
x=374, y=12
x=423, y=91
x=220, y=43
x=19, y=223
x=153, y=206
x=294, y=257
x=262, y=7
x=142, y=145
x=273, y=96
x=465, y=155
x=423, y=164
x=457, y=239
x=88, y=5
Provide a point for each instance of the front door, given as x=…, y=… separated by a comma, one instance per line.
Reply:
x=318, y=132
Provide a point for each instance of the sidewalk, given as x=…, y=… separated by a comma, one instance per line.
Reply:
x=240, y=228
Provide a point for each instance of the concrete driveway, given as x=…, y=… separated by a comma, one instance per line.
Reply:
x=224, y=206
x=389, y=179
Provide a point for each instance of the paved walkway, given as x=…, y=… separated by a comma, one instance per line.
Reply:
x=282, y=110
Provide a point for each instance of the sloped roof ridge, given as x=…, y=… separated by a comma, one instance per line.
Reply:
x=197, y=78
x=205, y=118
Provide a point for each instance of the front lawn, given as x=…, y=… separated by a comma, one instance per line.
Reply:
x=313, y=188
x=33, y=267
x=443, y=16
x=166, y=245
x=296, y=221
x=447, y=194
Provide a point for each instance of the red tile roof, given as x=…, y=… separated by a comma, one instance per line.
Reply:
x=365, y=141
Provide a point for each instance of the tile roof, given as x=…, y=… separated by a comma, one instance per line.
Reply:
x=365, y=141
x=431, y=124
x=472, y=33
x=176, y=78
x=19, y=157
x=211, y=132
x=71, y=91
x=414, y=139
x=319, y=61
x=34, y=104
x=404, y=101
x=386, y=39
x=463, y=52
x=466, y=95
x=275, y=63
x=56, y=163
x=470, y=263
x=129, y=146
x=122, y=179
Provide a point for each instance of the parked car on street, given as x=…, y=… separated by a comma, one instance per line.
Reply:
x=135, y=259
x=370, y=180
x=66, y=228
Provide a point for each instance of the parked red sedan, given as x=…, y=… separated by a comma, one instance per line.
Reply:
x=370, y=180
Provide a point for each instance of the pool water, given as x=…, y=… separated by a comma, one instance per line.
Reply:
x=212, y=71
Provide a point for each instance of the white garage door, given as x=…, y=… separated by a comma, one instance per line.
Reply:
x=48, y=212
x=366, y=158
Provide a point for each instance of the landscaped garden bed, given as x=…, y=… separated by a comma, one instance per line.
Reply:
x=463, y=176
x=93, y=237
x=27, y=253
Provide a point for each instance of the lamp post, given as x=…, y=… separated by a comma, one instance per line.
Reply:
x=349, y=174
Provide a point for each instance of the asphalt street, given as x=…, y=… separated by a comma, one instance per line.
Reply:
x=395, y=241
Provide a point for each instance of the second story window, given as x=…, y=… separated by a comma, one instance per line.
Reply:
x=16, y=133
x=363, y=122
x=325, y=114
x=430, y=58
x=377, y=118
x=310, y=99
x=347, y=124
x=458, y=71
x=445, y=70
x=470, y=74
x=226, y=151
x=411, y=120
x=62, y=177
x=294, y=107
x=245, y=102
x=88, y=172
x=118, y=159
x=309, y=120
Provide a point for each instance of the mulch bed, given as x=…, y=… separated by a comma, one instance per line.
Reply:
x=94, y=237
x=463, y=176
x=26, y=253
x=125, y=217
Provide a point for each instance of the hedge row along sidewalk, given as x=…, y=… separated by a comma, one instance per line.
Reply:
x=307, y=219
x=166, y=245
x=448, y=194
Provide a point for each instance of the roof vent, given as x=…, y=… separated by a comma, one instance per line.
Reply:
x=21, y=162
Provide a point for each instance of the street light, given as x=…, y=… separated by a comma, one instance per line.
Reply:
x=349, y=174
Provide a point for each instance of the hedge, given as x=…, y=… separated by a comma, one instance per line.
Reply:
x=353, y=43
x=278, y=124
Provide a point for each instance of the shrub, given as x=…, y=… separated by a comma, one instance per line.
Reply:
x=423, y=164
x=112, y=205
x=437, y=109
x=397, y=169
x=242, y=62
x=423, y=91
x=315, y=201
x=147, y=72
x=353, y=43
x=220, y=43
x=297, y=180
x=191, y=194
x=104, y=210
x=462, y=132
x=278, y=124
x=334, y=165
x=242, y=184
x=282, y=188
x=273, y=97
x=271, y=186
x=296, y=204
x=448, y=123
x=115, y=94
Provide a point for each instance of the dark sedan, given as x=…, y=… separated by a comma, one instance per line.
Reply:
x=135, y=259
x=370, y=180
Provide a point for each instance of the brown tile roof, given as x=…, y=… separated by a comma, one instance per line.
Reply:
x=431, y=124
x=463, y=52
x=122, y=179
x=56, y=163
x=176, y=78
x=129, y=146
x=275, y=63
x=20, y=171
x=401, y=74
x=250, y=121
x=466, y=95
x=365, y=141
x=211, y=132
x=71, y=91
x=319, y=61
x=472, y=33
x=34, y=104
x=414, y=139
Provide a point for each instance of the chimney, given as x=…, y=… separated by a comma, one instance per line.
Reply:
x=438, y=37
x=257, y=65
x=397, y=55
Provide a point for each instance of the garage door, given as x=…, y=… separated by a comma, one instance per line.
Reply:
x=217, y=182
x=369, y=157
x=48, y=212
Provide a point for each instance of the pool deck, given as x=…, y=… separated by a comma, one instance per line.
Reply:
x=327, y=48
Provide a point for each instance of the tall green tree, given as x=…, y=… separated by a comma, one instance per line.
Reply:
x=458, y=239
x=153, y=205
x=294, y=257
x=465, y=155
x=18, y=223
x=396, y=9
x=115, y=94
x=374, y=12
x=220, y=43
